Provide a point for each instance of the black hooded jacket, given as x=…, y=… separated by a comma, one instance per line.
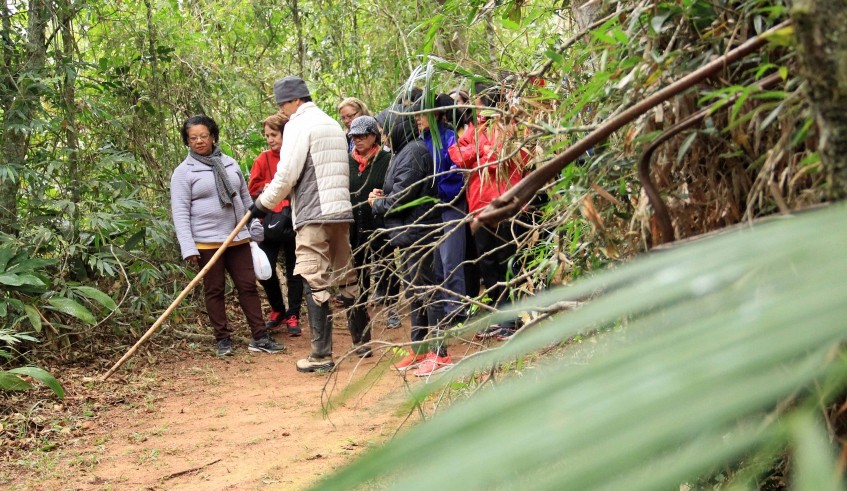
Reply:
x=409, y=177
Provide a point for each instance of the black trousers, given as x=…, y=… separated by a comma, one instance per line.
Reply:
x=294, y=282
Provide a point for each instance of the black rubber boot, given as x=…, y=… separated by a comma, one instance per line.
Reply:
x=320, y=329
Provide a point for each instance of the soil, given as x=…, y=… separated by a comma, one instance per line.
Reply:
x=190, y=420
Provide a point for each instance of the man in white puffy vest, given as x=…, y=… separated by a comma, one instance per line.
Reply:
x=313, y=167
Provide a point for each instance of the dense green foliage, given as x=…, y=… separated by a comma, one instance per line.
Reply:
x=92, y=95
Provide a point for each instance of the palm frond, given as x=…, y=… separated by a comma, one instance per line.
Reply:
x=715, y=335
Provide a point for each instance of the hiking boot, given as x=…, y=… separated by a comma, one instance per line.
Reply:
x=224, y=347
x=488, y=332
x=410, y=361
x=315, y=364
x=434, y=364
x=393, y=319
x=293, y=323
x=274, y=321
x=266, y=344
x=363, y=350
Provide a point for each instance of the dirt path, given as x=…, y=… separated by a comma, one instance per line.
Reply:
x=247, y=422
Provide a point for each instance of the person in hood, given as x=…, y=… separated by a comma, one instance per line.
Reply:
x=313, y=168
x=438, y=136
x=405, y=202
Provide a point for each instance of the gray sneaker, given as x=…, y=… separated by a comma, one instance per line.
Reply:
x=266, y=344
x=224, y=347
x=393, y=319
x=314, y=364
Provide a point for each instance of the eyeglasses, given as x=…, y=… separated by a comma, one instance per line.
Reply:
x=197, y=138
x=349, y=117
x=361, y=137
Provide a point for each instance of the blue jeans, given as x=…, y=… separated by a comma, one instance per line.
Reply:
x=449, y=272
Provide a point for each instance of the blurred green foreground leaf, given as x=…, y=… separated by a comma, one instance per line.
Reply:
x=731, y=348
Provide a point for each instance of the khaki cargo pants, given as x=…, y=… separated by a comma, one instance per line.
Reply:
x=324, y=258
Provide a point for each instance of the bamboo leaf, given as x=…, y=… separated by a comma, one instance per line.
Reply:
x=678, y=392
x=42, y=376
x=72, y=308
x=12, y=279
x=9, y=381
x=97, y=296
x=33, y=317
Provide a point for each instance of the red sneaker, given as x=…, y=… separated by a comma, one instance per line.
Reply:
x=275, y=320
x=293, y=323
x=410, y=361
x=434, y=364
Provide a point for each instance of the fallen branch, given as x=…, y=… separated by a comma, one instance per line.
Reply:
x=188, y=471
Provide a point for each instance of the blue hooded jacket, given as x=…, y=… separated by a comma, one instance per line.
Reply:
x=449, y=184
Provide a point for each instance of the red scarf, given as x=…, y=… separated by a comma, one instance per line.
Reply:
x=363, y=160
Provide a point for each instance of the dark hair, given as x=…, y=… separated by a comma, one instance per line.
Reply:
x=308, y=98
x=487, y=93
x=197, y=120
x=409, y=97
x=458, y=117
x=461, y=94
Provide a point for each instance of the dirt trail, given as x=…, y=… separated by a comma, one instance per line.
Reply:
x=247, y=422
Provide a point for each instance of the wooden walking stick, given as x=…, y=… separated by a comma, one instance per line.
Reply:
x=180, y=298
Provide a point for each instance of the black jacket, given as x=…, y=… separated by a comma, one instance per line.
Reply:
x=409, y=178
x=361, y=184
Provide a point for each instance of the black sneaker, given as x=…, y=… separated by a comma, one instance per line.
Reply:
x=363, y=351
x=266, y=344
x=489, y=332
x=505, y=333
x=224, y=347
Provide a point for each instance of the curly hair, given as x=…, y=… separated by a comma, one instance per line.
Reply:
x=197, y=120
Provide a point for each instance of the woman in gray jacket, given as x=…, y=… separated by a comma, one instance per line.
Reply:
x=209, y=197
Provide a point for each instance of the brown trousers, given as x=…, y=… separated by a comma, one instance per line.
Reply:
x=238, y=261
x=324, y=258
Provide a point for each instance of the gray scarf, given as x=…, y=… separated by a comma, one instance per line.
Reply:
x=225, y=191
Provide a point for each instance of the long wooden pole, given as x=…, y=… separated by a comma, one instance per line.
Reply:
x=180, y=298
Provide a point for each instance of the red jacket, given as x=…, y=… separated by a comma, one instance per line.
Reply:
x=475, y=149
x=263, y=171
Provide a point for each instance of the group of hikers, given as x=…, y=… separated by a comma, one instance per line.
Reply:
x=341, y=207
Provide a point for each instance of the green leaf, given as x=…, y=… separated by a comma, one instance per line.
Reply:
x=72, y=308
x=42, y=376
x=683, y=149
x=4, y=310
x=555, y=56
x=33, y=316
x=815, y=463
x=9, y=381
x=6, y=253
x=97, y=296
x=416, y=202
x=12, y=279
x=710, y=350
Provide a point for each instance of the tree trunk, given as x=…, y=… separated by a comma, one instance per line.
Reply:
x=821, y=30
x=21, y=106
x=301, y=43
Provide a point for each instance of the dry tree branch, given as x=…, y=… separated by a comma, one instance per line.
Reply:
x=513, y=200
